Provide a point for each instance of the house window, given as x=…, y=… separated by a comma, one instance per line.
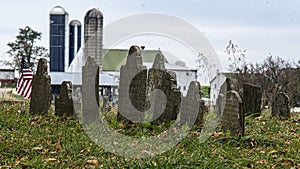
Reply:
x=187, y=73
x=184, y=87
x=215, y=85
x=179, y=87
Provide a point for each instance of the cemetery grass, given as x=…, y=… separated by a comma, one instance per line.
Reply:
x=52, y=142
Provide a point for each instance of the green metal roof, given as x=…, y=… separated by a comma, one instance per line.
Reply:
x=114, y=58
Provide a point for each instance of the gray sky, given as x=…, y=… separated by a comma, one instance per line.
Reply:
x=260, y=26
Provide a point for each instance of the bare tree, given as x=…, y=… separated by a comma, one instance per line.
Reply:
x=236, y=56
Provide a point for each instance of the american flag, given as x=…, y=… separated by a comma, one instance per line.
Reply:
x=25, y=80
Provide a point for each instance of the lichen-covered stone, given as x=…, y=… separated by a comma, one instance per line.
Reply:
x=40, y=100
x=90, y=91
x=252, y=99
x=280, y=106
x=64, y=103
x=132, y=88
x=233, y=116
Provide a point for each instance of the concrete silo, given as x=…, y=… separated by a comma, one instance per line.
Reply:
x=93, y=33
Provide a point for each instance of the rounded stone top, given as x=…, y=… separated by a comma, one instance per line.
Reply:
x=75, y=23
x=57, y=10
x=134, y=50
x=94, y=13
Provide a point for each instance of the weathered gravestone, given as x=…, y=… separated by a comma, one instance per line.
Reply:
x=132, y=88
x=203, y=109
x=280, y=106
x=90, y=91
x=64, y=103
x=77, y=100
x=252, y=99
x=220, y=102
x=233, y=115
x=191, y=112
x=165, y=106
x=41, y=90
x=105, y=103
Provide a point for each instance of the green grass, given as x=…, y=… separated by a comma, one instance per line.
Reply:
x=52, y=142
x=205, y=91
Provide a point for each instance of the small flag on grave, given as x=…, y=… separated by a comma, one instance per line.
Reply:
x=25, y=80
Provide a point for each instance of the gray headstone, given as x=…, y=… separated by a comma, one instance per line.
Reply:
x=90, y=91
x=202, y=111
x=252, y=99
x=233, y=115
x=159, y=62
x=132, y=88
x=64, y=103
x=165, y=81
x=280, y=106
x=220, y=102
x=190, y=107
x=77, y=100
x=105, y=103
x=41, y=90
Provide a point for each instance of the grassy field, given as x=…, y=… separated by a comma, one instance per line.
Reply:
x=52, y=142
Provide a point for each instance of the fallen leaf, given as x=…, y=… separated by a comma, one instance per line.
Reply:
x=261, y=162
x=274, y=166
x=217, y=134
x=259, y=118
x=37, y=148
x=93, y=162
x=57, y=146
x=50, y=159
x=272, y=152
x=287, y=161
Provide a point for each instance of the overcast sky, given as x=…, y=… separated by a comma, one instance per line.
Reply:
x=260, y=26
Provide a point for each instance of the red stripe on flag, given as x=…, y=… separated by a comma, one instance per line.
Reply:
x=25, y=83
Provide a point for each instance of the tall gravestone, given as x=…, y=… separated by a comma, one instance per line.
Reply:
x=191, y=112
x=252, y=99
x=90, y=91
x=40, y=100
x=77, y=100
x=132, y=88
x=280, y=106
x=233, y=115
x=203, y=109
x=64, y=103
x=220, y=102
x=166, y=103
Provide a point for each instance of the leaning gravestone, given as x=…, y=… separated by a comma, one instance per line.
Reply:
x=252, y=99
x=64, y=104
x=280, y=106
x=132, y=88
x=164, y=106
x=191, y=112
x=40, y=100
x=233, y=115
x=90, y=91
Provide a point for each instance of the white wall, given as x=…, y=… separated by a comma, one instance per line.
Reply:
x=215, y=86
x=184, y=78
